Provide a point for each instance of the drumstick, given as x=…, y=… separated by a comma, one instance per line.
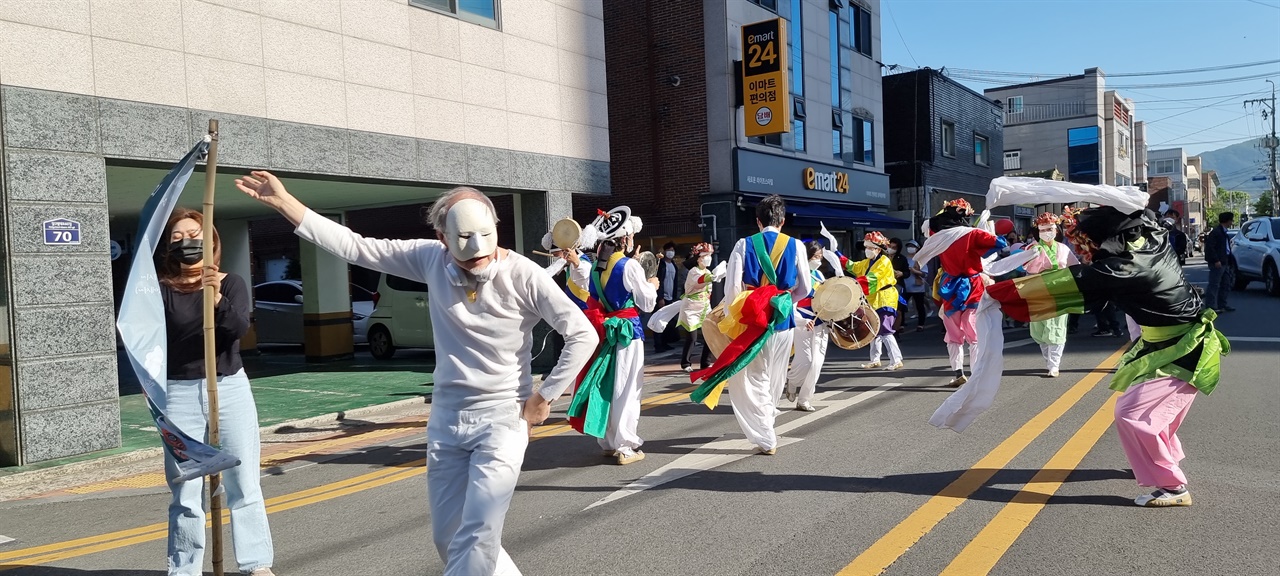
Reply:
x=544, y=254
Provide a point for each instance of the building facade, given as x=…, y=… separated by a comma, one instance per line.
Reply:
x=1173, y=163
x=357, y=104
x=946, y=142
x=1072, y=124
x=679, y=154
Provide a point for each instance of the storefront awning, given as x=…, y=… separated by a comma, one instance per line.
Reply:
x=834, y=217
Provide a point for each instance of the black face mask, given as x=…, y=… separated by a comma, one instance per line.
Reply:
x=189, y=251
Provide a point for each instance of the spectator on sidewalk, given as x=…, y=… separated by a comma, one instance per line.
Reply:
x=485, y=302
x=901, y=269
x=915, y=285
x=1217, y=254
x=1177, y=238
x=183, y=275
x=670, y=289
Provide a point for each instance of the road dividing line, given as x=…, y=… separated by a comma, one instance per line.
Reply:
x=5, y=539
x=885, y=551
x=1267, y=339
x=991, y=544
x=37, y=555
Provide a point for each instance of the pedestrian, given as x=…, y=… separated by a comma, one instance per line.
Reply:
x=1050, y=334
x=915, y=284
x=183, y=274
x=485, y=302
x=810, y=340
x=959, y=248
x=1126, y=259
x=696, y=304
x=671, y=287
x=607, y=402
x=768, y=272
x=1106, y=320
x=880, y=283
x=1177, y=238
x=1217, y=254
x=900, y=271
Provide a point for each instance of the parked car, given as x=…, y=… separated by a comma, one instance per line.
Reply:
x=1257, y=252
x=277, y=311
x=401, y=319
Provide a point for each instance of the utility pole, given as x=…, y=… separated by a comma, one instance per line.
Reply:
x=1272, y=144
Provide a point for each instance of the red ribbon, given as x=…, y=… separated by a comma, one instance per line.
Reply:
x=757, y=315
x=596, y=316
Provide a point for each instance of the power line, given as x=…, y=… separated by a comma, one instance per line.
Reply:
x=1198, y=131
x=904, y=40
x=1187, y=84
x=1264, y=4
x=978, y=72
x=1148, y=123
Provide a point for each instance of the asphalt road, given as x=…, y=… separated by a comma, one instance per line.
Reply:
x=1038, y=485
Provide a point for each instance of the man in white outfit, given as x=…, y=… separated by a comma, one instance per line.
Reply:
x=485, y=302
x=618, y=291
x=754, y=392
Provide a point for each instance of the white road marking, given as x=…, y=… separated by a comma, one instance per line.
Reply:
x=726, y=450
x=1017, y=343
x=1269, y=339
x=5, y=539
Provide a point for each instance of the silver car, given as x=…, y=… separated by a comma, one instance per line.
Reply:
x=1257, y=252
x=277, y=311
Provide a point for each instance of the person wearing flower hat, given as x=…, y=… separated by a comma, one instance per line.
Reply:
x=880, y=284
x=1051, y=255
x=958, y=287
x=695, y=304
x=606, y=404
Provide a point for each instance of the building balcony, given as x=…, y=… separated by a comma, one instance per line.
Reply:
x=1042, y=112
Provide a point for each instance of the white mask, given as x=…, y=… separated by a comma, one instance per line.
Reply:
x=470, y=230
x=891, y=251
x=704, y=261
x=1048, y=235
x=669, y=254
x=911, y=250
x=815, y=264
x=872, y=253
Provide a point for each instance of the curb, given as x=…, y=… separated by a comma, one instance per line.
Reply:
x=86, y=467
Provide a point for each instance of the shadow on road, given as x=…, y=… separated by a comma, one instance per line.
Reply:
x=55, y=571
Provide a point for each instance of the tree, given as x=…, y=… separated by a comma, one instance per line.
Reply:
x=1235, y=201
x=1264, y=207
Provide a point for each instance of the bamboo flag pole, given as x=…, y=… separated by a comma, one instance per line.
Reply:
x=210, y=349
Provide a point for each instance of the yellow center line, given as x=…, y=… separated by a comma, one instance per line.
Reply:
x=392, y=473
x=885, y=551
x=991, y=544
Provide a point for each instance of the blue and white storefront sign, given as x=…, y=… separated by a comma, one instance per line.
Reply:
x=61, y=232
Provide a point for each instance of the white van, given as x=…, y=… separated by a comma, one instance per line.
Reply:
x=400, y=318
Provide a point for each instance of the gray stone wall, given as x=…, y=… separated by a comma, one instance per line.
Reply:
x=55, y=150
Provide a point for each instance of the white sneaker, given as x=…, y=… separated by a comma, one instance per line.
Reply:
x=1162, y=498
x=806, y=407
x=870, y=365
x=894, y=366
x=1053, y=373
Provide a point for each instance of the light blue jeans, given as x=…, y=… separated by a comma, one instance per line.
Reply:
x=188, y=407
x=473, y=463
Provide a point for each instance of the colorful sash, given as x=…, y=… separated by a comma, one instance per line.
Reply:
x=593, y=399
x=753, y=315
x=1146, y=361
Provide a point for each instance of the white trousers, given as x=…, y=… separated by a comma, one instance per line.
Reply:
x=886, y=341
x=955, y=353
x=473, y=463
x=624, y=412
x=1052, y=354
x=755, y=390
x=806, y=366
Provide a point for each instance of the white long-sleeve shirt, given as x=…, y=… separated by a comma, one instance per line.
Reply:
x=642, y=292
x=482, y=348
x=733, y=281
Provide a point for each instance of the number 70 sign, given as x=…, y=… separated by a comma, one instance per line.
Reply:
x=61, y=232
x=765, y=90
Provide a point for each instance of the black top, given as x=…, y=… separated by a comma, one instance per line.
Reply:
x=1216, y=246
x=184, y=318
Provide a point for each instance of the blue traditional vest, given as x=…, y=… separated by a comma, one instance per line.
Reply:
x=816, y=280
x=785, y=266
x=614, y=296
x=576, y=294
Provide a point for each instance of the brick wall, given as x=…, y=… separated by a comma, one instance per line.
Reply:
x=657, y=132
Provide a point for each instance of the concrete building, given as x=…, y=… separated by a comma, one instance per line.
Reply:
x=1196, y=197
x=1139, y=152
x=945, y=142
x=1174, y=164
x=357, y=104
x=1071, y=124
x=678, y=152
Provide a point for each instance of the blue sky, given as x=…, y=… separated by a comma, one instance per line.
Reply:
x=1120, y=36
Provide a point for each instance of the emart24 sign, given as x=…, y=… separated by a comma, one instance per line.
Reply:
x=764, y=78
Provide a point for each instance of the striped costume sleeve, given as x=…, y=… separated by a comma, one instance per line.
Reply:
x=1041, y=296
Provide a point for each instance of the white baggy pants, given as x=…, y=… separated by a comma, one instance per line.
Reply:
x=473, y=463
x=886, y=341
x=755, y=390
x=1052, y=354
x=624, y=411
x=806, y=366
x=955, y=354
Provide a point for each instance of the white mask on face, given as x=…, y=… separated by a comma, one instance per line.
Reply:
x=1048, y=235
x=815, y=264
x=704, y=261
x=872, y=253
x=891, y=251
x=470, y=230
x=911, y=250
x=669, y=254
